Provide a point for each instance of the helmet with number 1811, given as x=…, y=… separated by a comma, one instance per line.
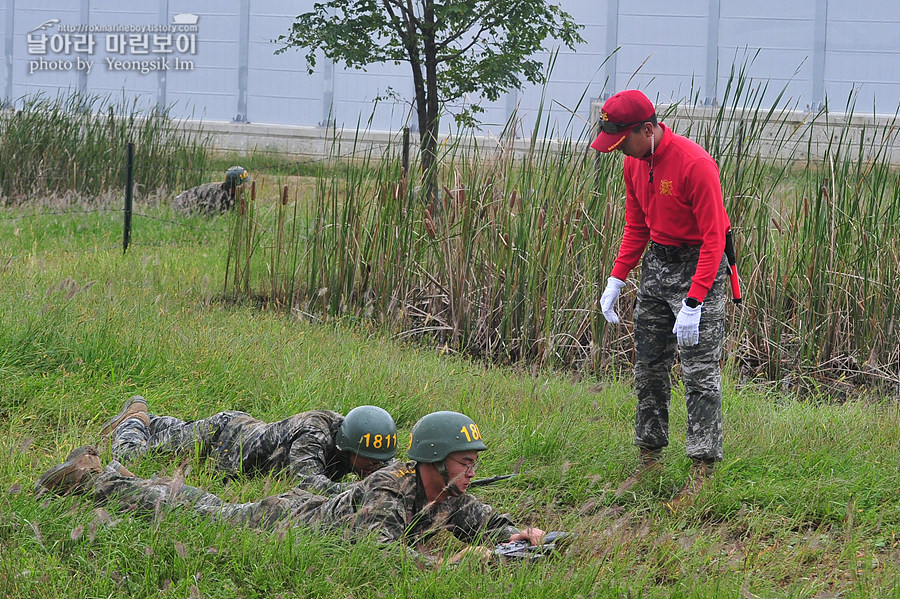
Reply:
x=437, y=435
x=368, y=431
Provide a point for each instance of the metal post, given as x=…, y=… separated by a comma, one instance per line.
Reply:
x=161, y=82
x=820, y=38
x=82, y=73
x=512, y=109
x=10, y=36
x=612, y=44
x=327, y=94
x=712, y=54
x=129, y=188
x=243, y=62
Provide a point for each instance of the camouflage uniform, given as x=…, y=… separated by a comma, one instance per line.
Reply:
x=239, y=443
x=389, y=504
x=665, y=279
x=209, y=199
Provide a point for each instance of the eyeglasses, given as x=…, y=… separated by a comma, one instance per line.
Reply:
x=473, y=466
x=610, y=127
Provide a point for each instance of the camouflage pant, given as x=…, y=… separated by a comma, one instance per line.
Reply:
x=148, y=495
x=664, y=284
x=168, y=434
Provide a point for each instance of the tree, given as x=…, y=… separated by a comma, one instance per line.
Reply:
x=454, y=48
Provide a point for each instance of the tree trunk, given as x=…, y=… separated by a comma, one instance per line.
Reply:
x=429, y=129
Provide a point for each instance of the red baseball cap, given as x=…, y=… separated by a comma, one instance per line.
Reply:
x=619, y=114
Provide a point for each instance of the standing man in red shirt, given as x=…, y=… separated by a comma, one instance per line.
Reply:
x=674, y=204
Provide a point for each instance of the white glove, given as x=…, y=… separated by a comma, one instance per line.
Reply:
x=609, y=297
x=687, y=325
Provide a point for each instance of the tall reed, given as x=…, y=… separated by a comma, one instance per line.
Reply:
x=505, y=269
x=77, y=144
x=510, y=264
x=816, y=234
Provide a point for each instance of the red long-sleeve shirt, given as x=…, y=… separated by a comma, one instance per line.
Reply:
x=682, y=206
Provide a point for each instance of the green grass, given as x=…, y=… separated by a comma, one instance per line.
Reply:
x=275, y=164
x=805, y=504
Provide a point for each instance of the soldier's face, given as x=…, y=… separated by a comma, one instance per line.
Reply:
x=364, y=466
x=461, y=468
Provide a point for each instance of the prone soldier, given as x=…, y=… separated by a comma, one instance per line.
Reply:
x=318, y=447
x=212, y=199
x=404, y=502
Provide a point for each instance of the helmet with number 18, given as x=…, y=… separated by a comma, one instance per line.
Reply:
x=437, y=435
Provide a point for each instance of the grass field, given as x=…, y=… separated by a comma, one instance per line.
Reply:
x=805, y=504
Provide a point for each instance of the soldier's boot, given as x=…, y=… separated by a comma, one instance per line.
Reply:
x=74, y=475
x=649, y=462
x=701, y=471
x=135, y=407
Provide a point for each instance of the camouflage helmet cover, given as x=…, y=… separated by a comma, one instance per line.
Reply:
x=437, y=435
x=368, y=431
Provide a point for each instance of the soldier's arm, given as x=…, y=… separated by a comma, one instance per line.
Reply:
x=383, y=516
x=382, y=513
x=307, y=459
x=477, y=522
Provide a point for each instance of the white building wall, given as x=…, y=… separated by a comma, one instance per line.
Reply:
x=775, y=39
x=682, y=51
x=863, y=54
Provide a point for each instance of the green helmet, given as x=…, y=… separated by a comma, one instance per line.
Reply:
x=235, y=176
x=437, y=435
x=370, y=432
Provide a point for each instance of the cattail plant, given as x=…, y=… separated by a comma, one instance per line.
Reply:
x=245, y=240
x=814, y=210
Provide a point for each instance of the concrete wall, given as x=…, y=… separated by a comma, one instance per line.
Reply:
x=294, y=141
x=792, y=134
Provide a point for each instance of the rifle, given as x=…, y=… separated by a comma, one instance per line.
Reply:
x=481, y=482
x=523, y=550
